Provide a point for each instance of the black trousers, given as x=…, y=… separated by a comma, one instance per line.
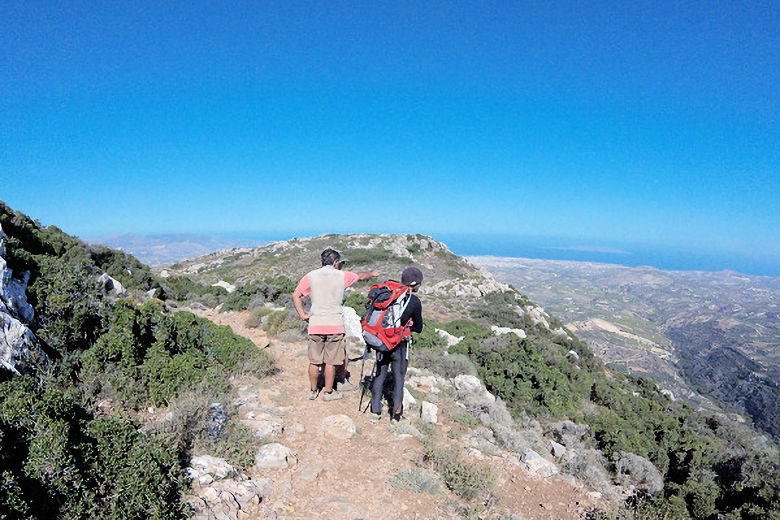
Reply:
x=397, y=362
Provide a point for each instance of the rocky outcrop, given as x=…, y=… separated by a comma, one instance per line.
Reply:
x=19, y=349
x=110, y=285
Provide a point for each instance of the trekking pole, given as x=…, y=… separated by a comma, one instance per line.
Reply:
x=375, y=372
x=362, y=383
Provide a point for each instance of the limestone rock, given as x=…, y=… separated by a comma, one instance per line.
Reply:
x=229, y=287
x=429, y=412
x=109, y=284
x=449, y=338
x=216, y=467
x=262, y=424
x=557, y=450
x=19, y=349
x=409, y=399
x=339, y=426
x=352, y=326
x=520, y=333
x=472, y=394
x=538, y=465
x=275, y=455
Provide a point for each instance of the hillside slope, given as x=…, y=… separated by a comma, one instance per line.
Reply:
x=714, y=333
x=636, y=436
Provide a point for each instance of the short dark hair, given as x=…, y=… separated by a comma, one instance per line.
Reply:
x=330, y=256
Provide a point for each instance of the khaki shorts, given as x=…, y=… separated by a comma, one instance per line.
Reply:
x=326, y=348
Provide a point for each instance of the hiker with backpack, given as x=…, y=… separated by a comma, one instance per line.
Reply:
x=325, y=286
x=394, y=357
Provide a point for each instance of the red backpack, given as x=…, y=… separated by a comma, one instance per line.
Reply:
x=382, y=327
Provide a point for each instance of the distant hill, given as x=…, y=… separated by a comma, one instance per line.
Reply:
x=711, y=333
x=169, y=248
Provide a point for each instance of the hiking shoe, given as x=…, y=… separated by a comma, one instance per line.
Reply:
x=376, y=418
x=347, y=386
x=398, y=418
x=313, y=395
x=333, y=396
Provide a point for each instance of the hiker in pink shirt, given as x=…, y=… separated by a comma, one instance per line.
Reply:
x=326, y=287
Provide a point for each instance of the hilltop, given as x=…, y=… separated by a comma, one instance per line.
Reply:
x=452, y=286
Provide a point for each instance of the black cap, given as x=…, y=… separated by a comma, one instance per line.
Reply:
x=411, y=276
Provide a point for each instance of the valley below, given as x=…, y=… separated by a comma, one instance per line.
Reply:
x=710, y=338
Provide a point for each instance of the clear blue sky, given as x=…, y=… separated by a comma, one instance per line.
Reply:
x=643, y=122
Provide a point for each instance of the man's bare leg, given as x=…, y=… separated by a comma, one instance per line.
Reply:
x=330, y=375
x=314, y=375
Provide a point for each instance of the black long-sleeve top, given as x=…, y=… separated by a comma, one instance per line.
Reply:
x=414, y=311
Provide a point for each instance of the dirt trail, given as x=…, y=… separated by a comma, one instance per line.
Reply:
x=348, y=479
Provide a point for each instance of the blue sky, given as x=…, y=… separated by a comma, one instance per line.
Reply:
x=653, y=123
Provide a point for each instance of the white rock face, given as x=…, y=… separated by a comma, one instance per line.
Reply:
x=520, y=333
x=429, y=412
x=352, y=326
x=339, y=426
x=19, y=350
x=538, y=465
x=229, y=287
x=449, y=338
x=275, y=455
x=110, y=284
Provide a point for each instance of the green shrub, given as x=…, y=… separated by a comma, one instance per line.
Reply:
x=358, y=301
x=60, y=462
x=417, y=481
x=256, y=319
x=428, y=338
x=467, y=480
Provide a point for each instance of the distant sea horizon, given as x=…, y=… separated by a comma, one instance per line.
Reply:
x=667, y=258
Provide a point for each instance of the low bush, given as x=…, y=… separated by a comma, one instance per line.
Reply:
x=438, y=361
x=467, y=480
x=416, y=480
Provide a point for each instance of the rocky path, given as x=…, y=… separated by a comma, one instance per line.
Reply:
x=321, y=459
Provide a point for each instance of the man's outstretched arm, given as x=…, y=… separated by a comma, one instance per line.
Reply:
x=366, y=276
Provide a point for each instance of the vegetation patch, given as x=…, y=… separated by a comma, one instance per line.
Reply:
x=417, y=480
x=467, y=480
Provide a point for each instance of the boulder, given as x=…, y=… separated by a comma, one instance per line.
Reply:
x=557, y=450
x=352, y=327
x=538, y=465
x=429, y=412
x=109, y=284
x=275, y=455
x=339, y=426
x=634, y=470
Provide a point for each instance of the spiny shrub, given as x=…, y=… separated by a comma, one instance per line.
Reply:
x=416, y=480
x=467, y=480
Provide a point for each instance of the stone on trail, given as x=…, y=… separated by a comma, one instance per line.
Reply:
x=275, y=455
x=339, y=426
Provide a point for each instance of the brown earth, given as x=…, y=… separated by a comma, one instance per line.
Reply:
x=348, y=479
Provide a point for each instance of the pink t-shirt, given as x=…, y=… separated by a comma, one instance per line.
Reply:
x=304, y=288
